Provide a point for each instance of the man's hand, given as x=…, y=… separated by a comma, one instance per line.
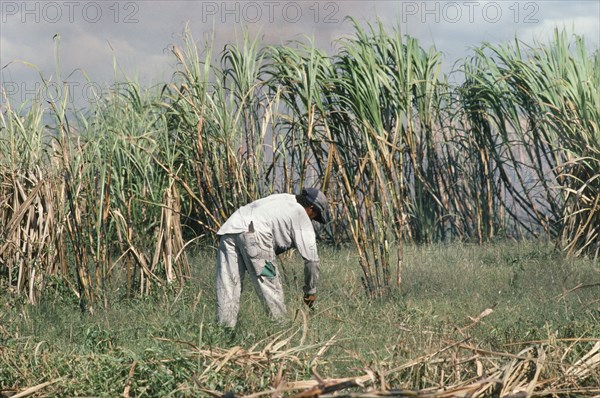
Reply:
x=309, y=300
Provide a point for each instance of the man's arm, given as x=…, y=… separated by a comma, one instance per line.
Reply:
x=305, y=241
x=311, y=276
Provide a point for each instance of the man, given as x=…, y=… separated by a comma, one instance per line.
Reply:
x=252, y=238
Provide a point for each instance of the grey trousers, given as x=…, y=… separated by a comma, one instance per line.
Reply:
x=240, y=254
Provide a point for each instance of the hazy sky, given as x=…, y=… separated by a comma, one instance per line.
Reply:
x=138, y=34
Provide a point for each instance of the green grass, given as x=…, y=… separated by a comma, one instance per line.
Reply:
x=170, y=338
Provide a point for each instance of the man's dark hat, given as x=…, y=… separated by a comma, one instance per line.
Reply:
x=317, y=199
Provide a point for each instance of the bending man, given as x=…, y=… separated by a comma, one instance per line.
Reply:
x=252, y=238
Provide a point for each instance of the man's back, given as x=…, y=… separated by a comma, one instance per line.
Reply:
x=279, y=221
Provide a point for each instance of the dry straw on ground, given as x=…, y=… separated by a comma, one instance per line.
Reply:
x=543, y=369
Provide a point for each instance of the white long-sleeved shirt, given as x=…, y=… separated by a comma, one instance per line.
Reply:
x=279, y=221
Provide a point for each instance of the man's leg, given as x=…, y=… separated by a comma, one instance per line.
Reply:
x=267, y=284
x=271, y=290
x=230, y=273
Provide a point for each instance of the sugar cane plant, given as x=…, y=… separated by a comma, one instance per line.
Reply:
x=32, y=237
x=218, y=110
x=82, y=195
x=537, y=110
x=108, y=198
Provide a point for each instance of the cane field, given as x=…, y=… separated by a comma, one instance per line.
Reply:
x=461, y=259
